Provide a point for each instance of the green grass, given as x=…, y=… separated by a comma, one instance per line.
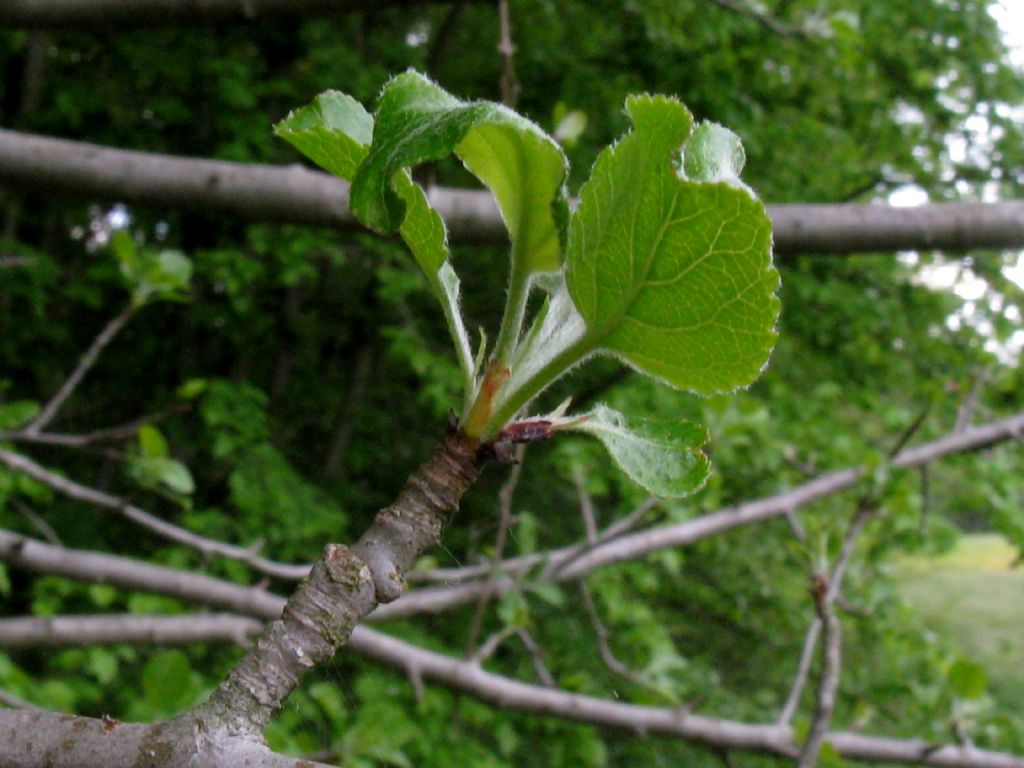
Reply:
x=974, y=597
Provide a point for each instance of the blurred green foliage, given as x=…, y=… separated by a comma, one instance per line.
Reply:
x=307, y=373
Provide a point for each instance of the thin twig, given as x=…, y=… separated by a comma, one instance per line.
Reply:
x=803, y=670
x=345, y=425
x=509, y=83
x=910, y=430
x=107, y=434
x=38, y=522
x=15, y=702
x=505, y=495
x=586, y=505
x=864, y=514
x=768, y=22
x=50, y=410
x=556, y=559
x=795, y=526
x=600, y=630
x=828, y=686
x=564, y=558
x=537, y=658
x=150, y=522
x=926, y=497
x=439, y=45
x=970, y=403
x=604, y=646
x=10, y=262
x=491, y=644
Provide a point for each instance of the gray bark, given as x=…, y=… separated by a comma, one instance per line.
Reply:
x=65, y=631
x=297, y=195
x=105, y=14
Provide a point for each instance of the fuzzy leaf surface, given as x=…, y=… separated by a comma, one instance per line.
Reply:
x=671, y=274
x=334, y=131
x=417, y=121
x=662, y=457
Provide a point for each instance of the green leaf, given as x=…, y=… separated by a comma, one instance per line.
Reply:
x=151, y=442
x=168, y=273
x=673, y=275
x=17, y=413
x=967, y=680
x=192, y=389
x=162, y=275
x=713, y=153
x=127, y=254
x=167, y=680
x=160, y=471
x=662, y=457
x=334, y=131
x=417, y=121
x=569, y=125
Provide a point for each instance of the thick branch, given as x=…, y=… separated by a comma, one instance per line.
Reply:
x=296, y=195
x=75, y=631
x=105, y=14
x=468, y=677
x=41, y=739
x=342, y=589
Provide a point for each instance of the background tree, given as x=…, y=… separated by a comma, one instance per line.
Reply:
x=304, y=378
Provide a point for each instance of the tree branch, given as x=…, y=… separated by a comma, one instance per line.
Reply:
x=76, y=631
x=106, y=14
x=40, y=739
x=15, y=702
x=768, y=22
x=505, y=495
x=632, y=546
x=11, y=262
x=833, y=587
x=468, y=677
x=570, y=563
x=206, y=546
x=98, y=568
x=111, y=434
x=297, y=195
x=345, y=585
x=50, y=410
x=828, y=686
x=669, y=721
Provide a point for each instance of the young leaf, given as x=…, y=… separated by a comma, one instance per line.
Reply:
x=662, y=457
x=417, y=121
x=334, y=131
x=152, y=443
x=714, y=153
x=163, y=472
x=670, y=274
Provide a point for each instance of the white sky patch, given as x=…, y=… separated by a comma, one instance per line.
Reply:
x=957, y=276
x=1009, y=14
